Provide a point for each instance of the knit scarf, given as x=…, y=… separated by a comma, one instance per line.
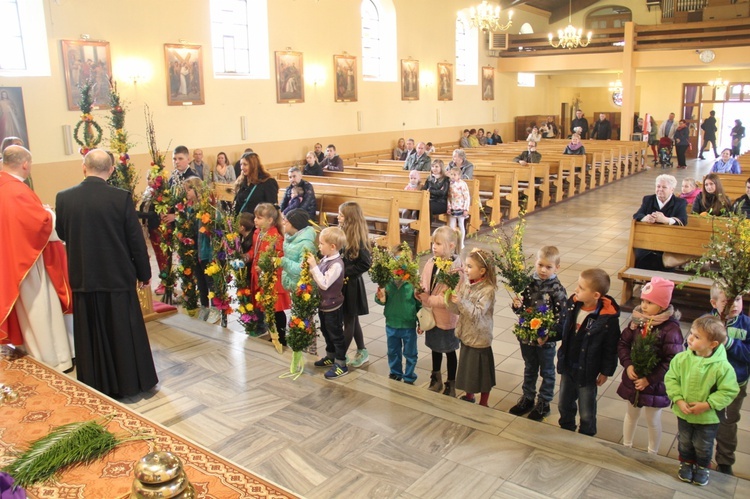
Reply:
x=639, y=319
x=575, y=147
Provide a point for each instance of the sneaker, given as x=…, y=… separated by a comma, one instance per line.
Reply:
x=324, y=362
x=336, y=371
x=541, y=411
x=360, y=358
x=725, y=468
x=409, y=382
x=685, y=472
x=700, y=476
x=394, y=377
x=523, y=406
x=214, y=316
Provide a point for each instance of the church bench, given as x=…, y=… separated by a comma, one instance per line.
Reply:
x=734, y=184
x=688, y=240
x=375, y=210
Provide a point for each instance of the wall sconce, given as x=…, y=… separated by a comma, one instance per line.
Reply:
x=427, y=78
x=315, y=74
x=133, y=70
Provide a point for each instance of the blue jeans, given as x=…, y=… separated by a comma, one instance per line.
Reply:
x=570, y=392
x=695, y=442
x=539, y=361
x=402, y=341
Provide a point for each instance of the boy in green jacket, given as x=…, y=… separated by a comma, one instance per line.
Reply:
x=700, y=381
x=400, y=327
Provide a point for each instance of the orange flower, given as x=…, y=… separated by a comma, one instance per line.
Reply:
x=202, y=230
x=205, y=218
x=535, y=323
x=188, y=271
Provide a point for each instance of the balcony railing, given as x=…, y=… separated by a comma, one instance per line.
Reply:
x=708, y=34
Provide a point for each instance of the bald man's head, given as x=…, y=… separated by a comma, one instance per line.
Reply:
x=17, y=160
x=97, y=162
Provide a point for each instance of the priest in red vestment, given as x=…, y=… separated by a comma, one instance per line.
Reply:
x=34, y=289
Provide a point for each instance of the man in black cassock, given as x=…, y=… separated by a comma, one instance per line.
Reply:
x=107, y=256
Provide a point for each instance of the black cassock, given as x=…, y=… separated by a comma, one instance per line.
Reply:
x=107, y=255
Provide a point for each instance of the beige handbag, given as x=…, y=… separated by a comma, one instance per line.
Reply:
x=426, y=319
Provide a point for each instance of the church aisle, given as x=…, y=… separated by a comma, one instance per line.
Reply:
x=366, y=435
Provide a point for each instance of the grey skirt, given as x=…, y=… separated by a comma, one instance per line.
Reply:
x=441, y=340
x=476, y=369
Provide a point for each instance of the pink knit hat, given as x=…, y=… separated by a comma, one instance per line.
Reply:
x=658, y=291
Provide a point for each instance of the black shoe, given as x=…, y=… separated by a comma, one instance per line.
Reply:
x=541, y=411
x=394, y=377
x=701, y=157
x=523, y=406
x=467, y=399
x=725, y=468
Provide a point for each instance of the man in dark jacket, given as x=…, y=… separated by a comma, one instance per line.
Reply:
x=106, y=258
x=602, y=128
x=588, y=351
x=709, y=134
x=308, y=198
x=580, y=123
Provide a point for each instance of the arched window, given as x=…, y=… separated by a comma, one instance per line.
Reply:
x=370, y=40
x=23, y=38
x=467, y=53
x=239, y=38
x=378, y=40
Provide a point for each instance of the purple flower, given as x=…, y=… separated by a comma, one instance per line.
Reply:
x=521, y=320
x=219, y=232
x=221, y=255
x=542, y=332
x=543, y=308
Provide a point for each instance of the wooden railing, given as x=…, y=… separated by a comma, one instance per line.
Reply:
x=707, y=34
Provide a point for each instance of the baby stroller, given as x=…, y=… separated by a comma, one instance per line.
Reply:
x=665, y=152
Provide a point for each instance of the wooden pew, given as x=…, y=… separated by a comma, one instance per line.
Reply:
x=406, y=200
x=374, y=209
x=734, y=184
x=689, y=240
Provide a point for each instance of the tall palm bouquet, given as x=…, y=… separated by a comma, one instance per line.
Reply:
x=268, y=264
x=302, y=329
x=510, y=259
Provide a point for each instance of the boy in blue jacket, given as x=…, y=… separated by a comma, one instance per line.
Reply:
x=588, y=350
x=737, y=345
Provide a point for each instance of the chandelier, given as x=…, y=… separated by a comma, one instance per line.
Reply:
x=616, y=86
x=718, y=82
x=487, y=18
x=570, y=37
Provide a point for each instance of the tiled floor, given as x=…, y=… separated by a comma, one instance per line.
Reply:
x=368, y=436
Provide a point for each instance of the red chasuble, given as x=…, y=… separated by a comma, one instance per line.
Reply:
x=25, y=227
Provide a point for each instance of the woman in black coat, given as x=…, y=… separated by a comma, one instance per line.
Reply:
x=254, y=186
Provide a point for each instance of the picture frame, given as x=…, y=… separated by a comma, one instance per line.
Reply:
x=488, y=83
x=184, y=66
x=345, y=78
x=290, y=80
x=445, y=81
x=13, y=115
x=409, y=79
x=82, y=60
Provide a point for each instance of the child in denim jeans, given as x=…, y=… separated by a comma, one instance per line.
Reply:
x=400, y=327
x=588, y=350
x=700, y=381
x=539, y=356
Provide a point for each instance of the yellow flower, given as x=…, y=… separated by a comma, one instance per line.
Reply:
x=249, y=307
x=211, y=295
x=306, y=296
x=241, y=309
x=257, y=296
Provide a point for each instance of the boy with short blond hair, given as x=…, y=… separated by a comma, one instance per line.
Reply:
x=737, y=345
x=539, y=356
x=588, y=350
x=700, y=382
x=329, y=276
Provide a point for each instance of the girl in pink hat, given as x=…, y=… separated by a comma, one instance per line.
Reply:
x=646, y=347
